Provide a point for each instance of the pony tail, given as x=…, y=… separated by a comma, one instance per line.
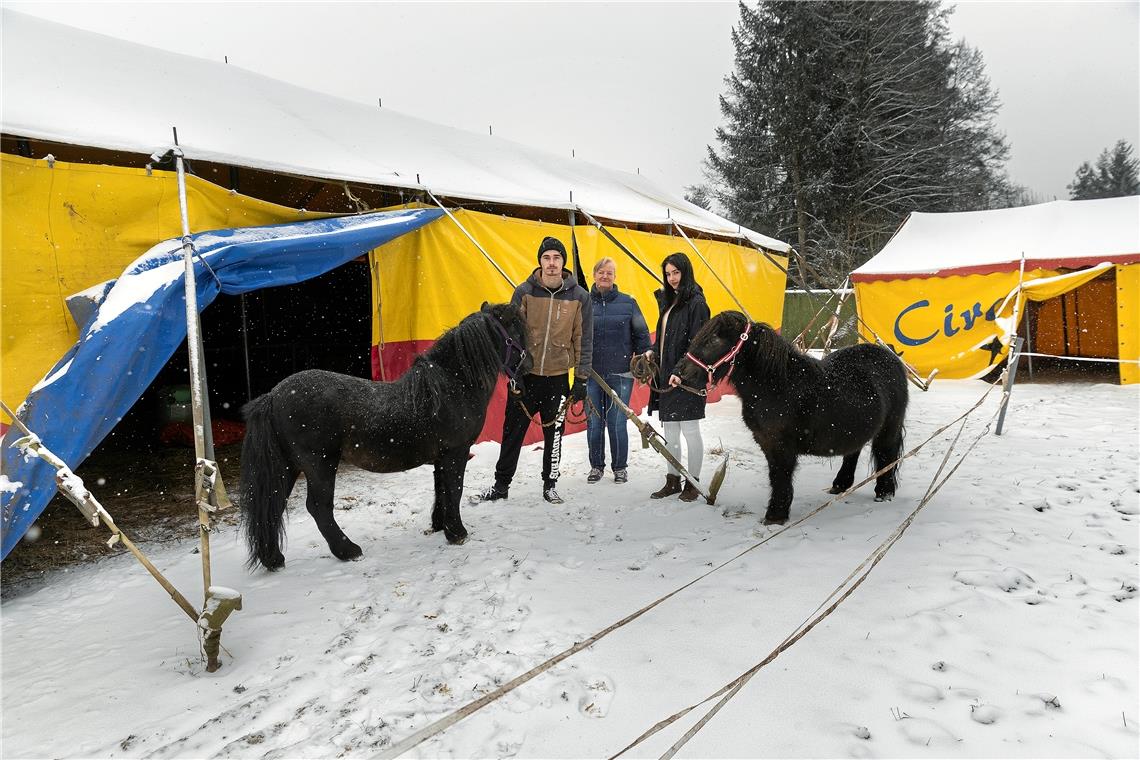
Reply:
x=266, y=480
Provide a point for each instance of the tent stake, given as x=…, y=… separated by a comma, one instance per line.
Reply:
x=72, y=487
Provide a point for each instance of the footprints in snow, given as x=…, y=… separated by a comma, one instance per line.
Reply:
x=1019, y=584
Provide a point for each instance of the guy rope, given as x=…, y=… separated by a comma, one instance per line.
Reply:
x=841, y=592
x=438, y=726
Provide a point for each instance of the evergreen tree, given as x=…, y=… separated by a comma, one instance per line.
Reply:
x=699, y=195
x=841, y=117
x=1117, y=173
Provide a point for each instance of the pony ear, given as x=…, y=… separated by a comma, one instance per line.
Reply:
x=485, y=307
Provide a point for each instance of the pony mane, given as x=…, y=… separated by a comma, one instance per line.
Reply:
x=466, y=353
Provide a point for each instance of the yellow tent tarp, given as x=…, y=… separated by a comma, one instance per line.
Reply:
x=960, y=325
x=67, y=227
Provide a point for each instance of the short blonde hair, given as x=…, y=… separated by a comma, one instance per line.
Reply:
x=602, y=262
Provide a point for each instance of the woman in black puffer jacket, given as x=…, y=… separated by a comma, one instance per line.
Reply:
x=683, y=311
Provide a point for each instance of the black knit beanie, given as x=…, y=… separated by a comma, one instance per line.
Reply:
x=551, y=244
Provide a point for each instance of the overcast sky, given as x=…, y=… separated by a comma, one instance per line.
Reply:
x=632, y=86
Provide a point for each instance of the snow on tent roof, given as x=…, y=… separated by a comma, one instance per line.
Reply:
x=1059, y=233
x=67, y=85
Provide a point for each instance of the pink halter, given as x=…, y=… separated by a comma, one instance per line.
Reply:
x=729, y=358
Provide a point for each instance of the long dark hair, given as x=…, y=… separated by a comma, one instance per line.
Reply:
x=688, y=288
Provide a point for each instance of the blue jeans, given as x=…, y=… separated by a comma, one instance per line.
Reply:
x=611, y=419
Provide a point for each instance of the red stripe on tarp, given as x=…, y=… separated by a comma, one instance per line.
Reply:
x=1007, y=266
x=397, y=358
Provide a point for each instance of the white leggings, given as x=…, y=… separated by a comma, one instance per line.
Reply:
x=696, y=445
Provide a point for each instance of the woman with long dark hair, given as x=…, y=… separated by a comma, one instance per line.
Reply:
x=682, y=312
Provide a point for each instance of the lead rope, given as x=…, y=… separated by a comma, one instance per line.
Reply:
x=564, y=412
x=644, y=370
x=839, y=594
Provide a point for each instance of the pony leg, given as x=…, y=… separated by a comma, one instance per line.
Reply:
x=438, y=508
x=449, y=471
x=886, y=448
x=781, y=466
x=320, y=506
x=846, y=475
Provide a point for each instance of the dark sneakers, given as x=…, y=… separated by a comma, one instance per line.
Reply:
x=621, y=476
x=494, y=493
x=595, y=475
x=551, y=495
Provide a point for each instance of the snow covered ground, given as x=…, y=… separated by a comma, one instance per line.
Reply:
x=1003, y=624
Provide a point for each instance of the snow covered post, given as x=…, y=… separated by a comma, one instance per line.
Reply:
x=220, y=603
x=1014, y=355
x=206, y=478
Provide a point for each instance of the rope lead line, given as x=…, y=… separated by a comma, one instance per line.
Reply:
x=451, y=719
x=733, y=687
x=472, y=239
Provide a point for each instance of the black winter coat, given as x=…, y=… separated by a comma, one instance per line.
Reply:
x=685, y=320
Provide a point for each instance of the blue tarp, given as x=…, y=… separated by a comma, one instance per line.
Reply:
x=140, y=323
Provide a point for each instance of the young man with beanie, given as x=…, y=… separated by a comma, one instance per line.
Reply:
x=560, y=336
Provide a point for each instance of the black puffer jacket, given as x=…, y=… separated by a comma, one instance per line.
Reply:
x=685, y=320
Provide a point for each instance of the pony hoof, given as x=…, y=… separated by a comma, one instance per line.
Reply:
x=348, y=552
x=837, y=489
x=775, y=519
x=274, y=563
x=456, y=540
x=884, y=497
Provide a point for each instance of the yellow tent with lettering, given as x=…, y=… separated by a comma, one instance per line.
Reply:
x=945, y=290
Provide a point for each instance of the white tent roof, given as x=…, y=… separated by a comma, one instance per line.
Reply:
x=1061, y=233
x=67, y=85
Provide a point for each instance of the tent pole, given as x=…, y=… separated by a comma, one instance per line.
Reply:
x=1015, y=343
x=574, y=248
x=707, y=264
x=1014, y=351
x=194, y=346
x=469, y=237
x=615, y=241
x=245, y=351
x=218, y=603
x=72, y=487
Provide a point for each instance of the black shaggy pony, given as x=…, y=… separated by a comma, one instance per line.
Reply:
x=314, y=420
x=795, y=404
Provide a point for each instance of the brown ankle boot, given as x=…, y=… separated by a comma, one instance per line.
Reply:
x=690, y=493
x=672, y=486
